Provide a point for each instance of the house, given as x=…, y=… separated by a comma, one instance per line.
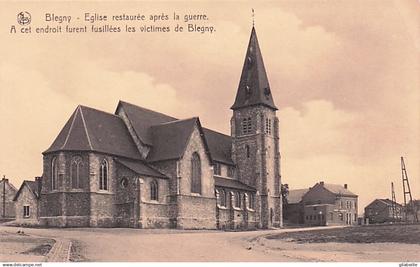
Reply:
x=27, y=202
x=294, y=212
x=7, y=193
x=383, y=210
x=329, y=204
x=144, y=169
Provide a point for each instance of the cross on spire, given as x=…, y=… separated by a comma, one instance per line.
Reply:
x=253, y=18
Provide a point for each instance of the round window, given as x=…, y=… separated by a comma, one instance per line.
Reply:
x=124, y=182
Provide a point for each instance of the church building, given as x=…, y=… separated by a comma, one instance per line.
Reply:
x=143, y=169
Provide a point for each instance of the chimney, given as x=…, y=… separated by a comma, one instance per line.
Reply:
x=321, y=183
x=345, y=186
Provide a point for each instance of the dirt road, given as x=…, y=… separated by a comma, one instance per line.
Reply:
x=176, y=245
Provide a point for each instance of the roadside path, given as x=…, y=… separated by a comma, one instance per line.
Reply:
x=60, y=252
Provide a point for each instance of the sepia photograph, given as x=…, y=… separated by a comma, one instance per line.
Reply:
x=210, y=132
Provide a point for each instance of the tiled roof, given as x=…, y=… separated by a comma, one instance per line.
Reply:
x=231, y=183
x=338, y=189
x=295, y=196
x=387, y=201
x=220, y=146
x=141, y=168
x=167, y=135
x=170, y=139
x=89, y=129
x=33, y=188
x=254, y=88
x=142, y=119
x=12, y=187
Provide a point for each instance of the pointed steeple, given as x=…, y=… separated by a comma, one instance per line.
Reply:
x=254, y=88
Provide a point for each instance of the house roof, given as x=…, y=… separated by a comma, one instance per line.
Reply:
x=141, y=167
x=386, y=201
x=12, y=187
x=295, y=196
x=254, y=88
x=32, y=186
x=231, y=183
x=89, y=129
x=337, y=189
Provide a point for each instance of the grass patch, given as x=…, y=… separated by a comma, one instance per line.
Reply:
x=407, y=234
x=41, y=250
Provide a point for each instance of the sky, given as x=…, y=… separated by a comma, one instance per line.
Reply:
x=344, y=75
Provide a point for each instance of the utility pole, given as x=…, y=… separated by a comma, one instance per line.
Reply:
x=407, y=194
x=4, y=197
x=394, y=202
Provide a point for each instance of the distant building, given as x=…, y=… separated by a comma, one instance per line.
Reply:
x=293, y=213
x=381, y=211
x=322, y=204
x=330, y=204
x=7, y=193
x=27, y=202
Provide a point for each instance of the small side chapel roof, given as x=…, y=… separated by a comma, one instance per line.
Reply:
x=141, y=168
x=232, y=183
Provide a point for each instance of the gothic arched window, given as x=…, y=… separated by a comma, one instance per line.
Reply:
x=222, y=198
x=247, y=150
x=103, y=175
x=237, y=200
x=195, y=173
x=251, y=201
x=75, y=171
x=154, y=190
x=54, y=173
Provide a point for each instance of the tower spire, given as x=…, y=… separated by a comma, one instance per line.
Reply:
x=253, y=88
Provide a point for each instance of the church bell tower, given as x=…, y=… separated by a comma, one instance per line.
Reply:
x=255, y=134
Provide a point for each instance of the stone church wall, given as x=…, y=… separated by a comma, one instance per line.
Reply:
x=196, y=210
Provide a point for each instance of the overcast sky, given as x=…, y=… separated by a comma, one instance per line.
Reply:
x=344, y=75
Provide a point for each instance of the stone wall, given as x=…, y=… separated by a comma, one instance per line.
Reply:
x=154, y=215
x=196, y=210
x=102, y=208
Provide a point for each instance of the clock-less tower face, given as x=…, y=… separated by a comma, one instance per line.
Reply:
x=254, y=128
